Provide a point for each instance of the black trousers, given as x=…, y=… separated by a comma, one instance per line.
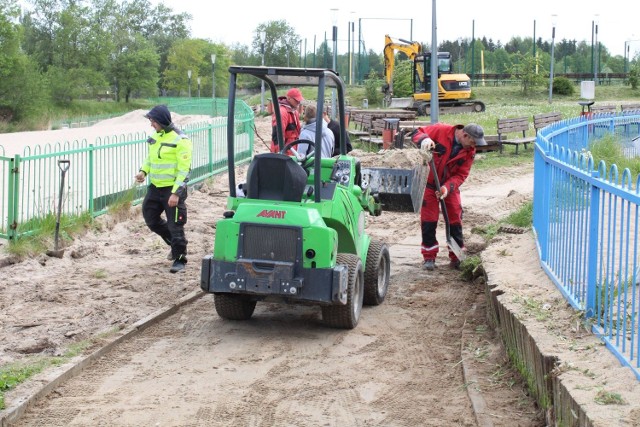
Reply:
x=170, y=229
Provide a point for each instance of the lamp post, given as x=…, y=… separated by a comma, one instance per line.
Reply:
x=189, y=76
x=596, y=55
x=199, y=86
x=553, y=38
x=334, y=21
x=263, y=38
x=213, y=75
x=353, y=46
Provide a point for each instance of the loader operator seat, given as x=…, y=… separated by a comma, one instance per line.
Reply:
x=275, y=176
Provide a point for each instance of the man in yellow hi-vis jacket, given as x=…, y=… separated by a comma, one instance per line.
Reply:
x=167, y=166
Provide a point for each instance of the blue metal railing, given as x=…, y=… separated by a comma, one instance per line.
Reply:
x=586, y=220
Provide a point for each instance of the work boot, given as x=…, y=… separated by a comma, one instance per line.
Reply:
x=454, y=264
x=429, y=264
x=179, y=264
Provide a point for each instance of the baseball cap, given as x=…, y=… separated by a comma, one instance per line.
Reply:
x=295, y=94
x=476, y=132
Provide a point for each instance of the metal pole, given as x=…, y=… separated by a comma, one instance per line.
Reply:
x=473, y=52
x=263, y=36
x=595, y=62
x=335, y=59
x=199, y=87
x=359, y=50
x=435, y=106
x=534, y=40
x=353, y=47
x=553, y=38
x=189, y=75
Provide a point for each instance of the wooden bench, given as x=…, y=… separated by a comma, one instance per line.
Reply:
x=519, y=125
x=545, y=119
x=630, y=107
x=602, y=109
x=492, y=144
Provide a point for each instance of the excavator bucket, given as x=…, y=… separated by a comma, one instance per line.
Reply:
x=398, y=190
x=403, y=103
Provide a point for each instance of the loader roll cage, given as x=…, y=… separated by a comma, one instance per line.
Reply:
x=279, y=77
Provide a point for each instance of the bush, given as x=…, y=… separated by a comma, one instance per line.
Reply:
x=372, y=89
x=563, y=86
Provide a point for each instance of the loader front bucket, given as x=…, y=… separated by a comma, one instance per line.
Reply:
x=399, y=190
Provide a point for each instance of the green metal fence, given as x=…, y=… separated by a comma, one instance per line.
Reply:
x=103, y=170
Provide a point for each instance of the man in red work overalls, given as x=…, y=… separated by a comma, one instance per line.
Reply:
x=453, y=149
x=290, y=113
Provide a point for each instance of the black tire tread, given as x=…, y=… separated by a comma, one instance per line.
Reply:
x=377, y=250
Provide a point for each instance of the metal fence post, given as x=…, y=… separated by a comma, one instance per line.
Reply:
x=592, y=251
x=13, y=203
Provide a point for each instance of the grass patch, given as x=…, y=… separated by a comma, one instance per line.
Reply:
x=40, y=233
x=13, y=374
x=523, y=218
x=609, y=398
x=611, y=152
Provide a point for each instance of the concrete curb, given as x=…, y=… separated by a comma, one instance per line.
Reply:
x=74, y=368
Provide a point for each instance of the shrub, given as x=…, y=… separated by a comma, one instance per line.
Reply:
x=563, y=86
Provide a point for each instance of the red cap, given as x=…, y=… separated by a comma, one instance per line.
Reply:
x=295, y=94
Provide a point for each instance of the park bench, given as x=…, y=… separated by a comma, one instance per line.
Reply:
x=603, y=109
x=545, y=119
x=518, y=125
x=630, y=107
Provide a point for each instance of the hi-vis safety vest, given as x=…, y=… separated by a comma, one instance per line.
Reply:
x=169, y=160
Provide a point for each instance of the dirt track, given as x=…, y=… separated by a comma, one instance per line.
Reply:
x=424, y=357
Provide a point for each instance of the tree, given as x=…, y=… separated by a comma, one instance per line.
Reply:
x=135, y=68
x=524, y=70
x=280, y=42
x=22, y=89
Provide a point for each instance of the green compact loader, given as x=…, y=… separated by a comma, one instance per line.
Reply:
x=294, y=232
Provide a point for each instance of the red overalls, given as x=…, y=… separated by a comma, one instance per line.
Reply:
x=452, y=172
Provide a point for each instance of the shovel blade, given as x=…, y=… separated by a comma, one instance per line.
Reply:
x=56, y=253
x=457, y=250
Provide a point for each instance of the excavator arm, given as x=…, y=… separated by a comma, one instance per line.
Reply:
x=411, y=49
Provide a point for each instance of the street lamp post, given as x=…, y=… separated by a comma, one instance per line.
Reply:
x=199, y=86
x=553, y=38
x=334, y=20
x=189, y=76
x=353, y=46
x=597, y=53
x=213, y=76
x=263, y=38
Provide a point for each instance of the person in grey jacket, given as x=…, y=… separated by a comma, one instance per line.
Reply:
x=308, y=132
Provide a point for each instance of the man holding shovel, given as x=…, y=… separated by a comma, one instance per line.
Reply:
x=167, y=165
x=453, y=150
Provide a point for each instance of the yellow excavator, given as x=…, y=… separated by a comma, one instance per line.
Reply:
x=454, y=90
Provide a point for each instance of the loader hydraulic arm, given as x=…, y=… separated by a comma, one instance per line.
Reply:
x=411, y=49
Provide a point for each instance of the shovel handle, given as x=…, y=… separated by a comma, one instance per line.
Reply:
x=64, y=164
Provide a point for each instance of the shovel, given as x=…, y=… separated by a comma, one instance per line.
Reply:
x=64, y=167
x=453, y=245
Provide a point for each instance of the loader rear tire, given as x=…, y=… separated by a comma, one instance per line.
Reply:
x=376, y=273
x=347, y=316
x=234, y=307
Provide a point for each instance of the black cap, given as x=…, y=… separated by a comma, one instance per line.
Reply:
x=160, y=114
x=476, y=132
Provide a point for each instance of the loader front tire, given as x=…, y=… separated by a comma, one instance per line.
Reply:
x=376, y=273
x=347, y=316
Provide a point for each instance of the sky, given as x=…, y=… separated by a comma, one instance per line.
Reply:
x=496, y=19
